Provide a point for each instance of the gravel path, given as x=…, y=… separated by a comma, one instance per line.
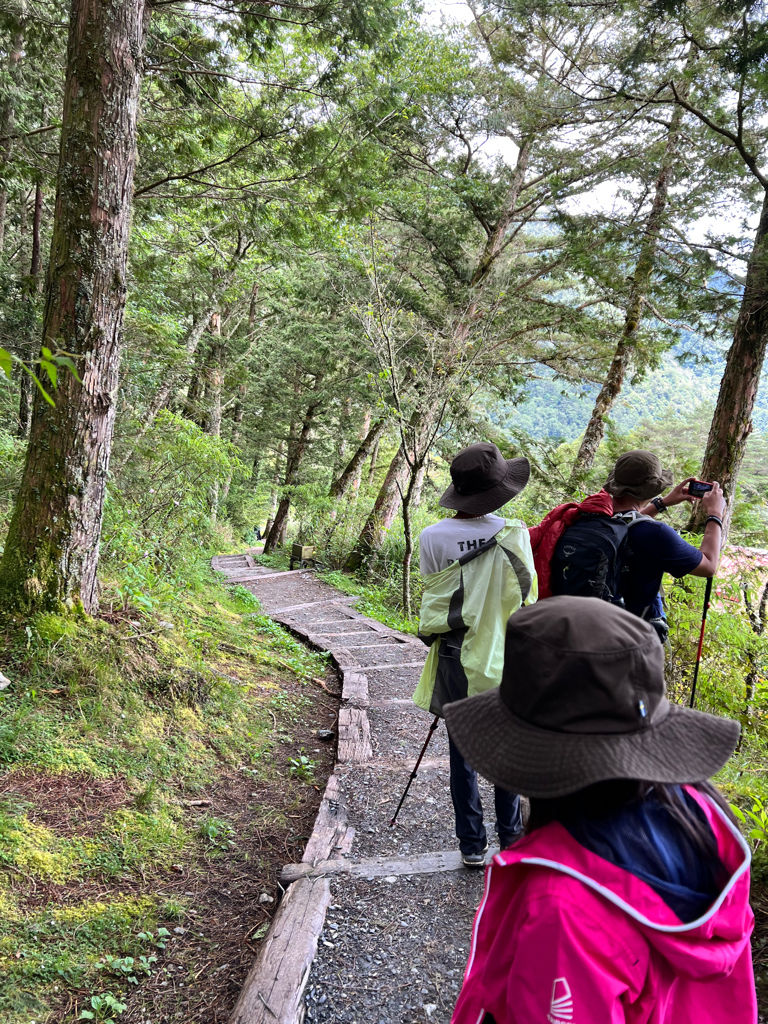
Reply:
x=393, y=949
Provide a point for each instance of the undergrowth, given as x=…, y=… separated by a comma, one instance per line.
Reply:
x=376, y=601
x=150, y=704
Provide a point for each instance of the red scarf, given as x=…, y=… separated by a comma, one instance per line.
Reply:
x=545, y=536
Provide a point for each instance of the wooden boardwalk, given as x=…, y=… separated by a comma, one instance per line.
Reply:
x=380, y=732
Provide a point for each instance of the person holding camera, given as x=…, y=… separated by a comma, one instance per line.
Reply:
x=635, y=483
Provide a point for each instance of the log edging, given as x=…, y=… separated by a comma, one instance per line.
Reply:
x=274, y=988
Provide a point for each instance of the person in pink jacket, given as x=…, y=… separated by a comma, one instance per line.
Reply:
x=627, y=901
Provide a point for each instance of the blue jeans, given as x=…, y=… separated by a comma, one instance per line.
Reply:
x=470, y=830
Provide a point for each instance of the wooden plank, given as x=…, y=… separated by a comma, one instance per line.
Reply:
x=380, y=867
x=254, y=576
x=354, y=688
x=356, y=632
x=330, y=830
x=362, y=647
x=354, y=736
x=274, y=989
x=313, y=604
x=249, y=559
x=377, y=668
x=402, y=765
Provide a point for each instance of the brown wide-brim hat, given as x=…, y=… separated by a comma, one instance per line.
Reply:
x=483, y=480
x=582, y=700
x=638, y=473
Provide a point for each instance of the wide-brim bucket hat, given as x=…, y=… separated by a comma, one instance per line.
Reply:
x=483, y=480
x=583, y=700
x=639, y=474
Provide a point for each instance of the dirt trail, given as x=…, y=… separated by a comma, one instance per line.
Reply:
x=394, y=945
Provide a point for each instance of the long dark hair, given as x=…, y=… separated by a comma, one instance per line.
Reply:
x=603, y=798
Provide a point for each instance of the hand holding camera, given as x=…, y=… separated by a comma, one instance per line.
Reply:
x=714, y=501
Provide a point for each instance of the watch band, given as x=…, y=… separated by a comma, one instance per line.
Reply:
x=659, y=503
x=714, y=519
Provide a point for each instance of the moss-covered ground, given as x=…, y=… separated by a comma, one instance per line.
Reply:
x=154, y=773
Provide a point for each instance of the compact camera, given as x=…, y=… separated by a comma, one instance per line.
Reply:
x=697, y=488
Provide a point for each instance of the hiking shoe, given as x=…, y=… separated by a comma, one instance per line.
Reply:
x=474, y=860
x=508, y=841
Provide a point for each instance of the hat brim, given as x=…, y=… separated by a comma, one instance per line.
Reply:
x=517, y=476
x=686, y=746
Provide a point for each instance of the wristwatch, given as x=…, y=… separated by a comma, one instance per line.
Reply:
x=659, y=503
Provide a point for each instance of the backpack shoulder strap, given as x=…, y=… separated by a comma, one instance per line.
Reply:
x=632, y=517
x=469, y=555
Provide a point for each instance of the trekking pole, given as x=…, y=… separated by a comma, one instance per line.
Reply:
x=415, y=768
x=707, y=595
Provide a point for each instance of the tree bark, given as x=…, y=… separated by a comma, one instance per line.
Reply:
x=37, y=222
x=295, y=455
x=52, y=550
x=195, y=387
x=410, y=501
x=374, y=463
x=732, y=420
x=345, y=481
x=7, y=120
x=237, y=423
x=214, y=386
x=25, y=382
x=382, y=514
x=641, y=279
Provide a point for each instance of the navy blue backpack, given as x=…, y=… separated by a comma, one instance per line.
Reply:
x=589, y=556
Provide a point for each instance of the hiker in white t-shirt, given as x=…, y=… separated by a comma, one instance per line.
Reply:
x=477, y=570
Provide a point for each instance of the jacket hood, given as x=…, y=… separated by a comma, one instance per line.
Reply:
x=708, y=946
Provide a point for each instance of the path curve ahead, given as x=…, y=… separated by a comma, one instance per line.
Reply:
x=375, y=924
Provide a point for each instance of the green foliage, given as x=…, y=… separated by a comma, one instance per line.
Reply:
x=755, y=821
x=104, y=1007
x=302, y=767
x=218, y=835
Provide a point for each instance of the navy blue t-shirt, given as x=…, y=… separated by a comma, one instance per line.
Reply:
x=654, y=548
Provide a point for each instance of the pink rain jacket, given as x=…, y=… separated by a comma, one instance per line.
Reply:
x=563, y=936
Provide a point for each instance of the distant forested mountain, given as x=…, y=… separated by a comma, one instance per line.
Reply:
x=553, y=408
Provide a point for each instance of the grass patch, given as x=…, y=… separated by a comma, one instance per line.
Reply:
x=375, y=601
x=109, y=728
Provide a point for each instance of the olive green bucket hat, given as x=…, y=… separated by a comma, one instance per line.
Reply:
x=639, y=474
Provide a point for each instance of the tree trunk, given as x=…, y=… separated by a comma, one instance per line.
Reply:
x=358, y=477
x=641, y=280
x=237, y=423
x=25, y=383
x=7, y=121
x=37, y=221
x=374, y=463
x=410, y=501
x=52, y=550
x=345, y=481
x=214, y=385
x=195, y=387
x=732, y=420
x=382, y=514
x=296, y=452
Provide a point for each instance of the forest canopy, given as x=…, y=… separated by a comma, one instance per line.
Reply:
x=357, y=238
